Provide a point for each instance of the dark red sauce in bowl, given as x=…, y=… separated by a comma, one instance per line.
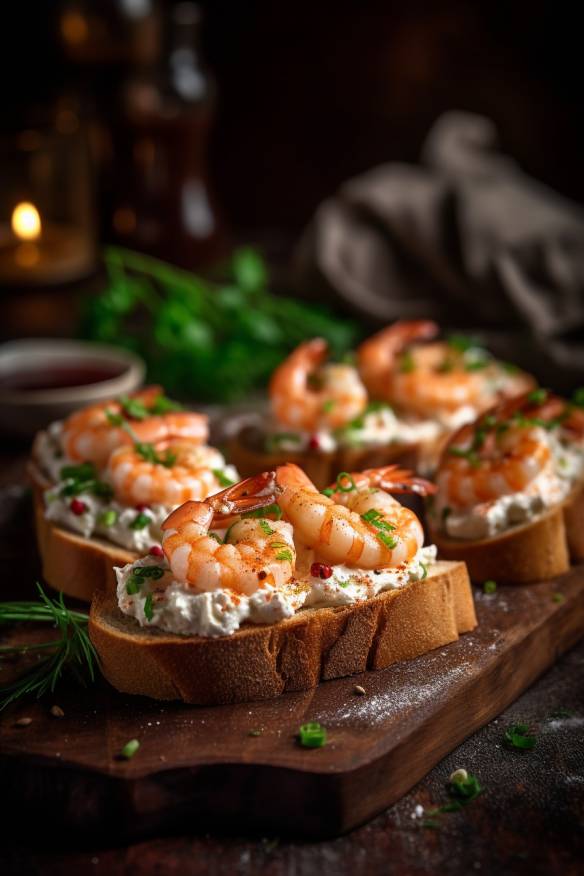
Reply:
x=58, y=376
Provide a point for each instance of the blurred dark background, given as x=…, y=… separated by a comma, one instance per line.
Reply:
x=309, y=94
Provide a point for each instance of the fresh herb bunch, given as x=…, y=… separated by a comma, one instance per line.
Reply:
x=72, y=651
x=203, y=339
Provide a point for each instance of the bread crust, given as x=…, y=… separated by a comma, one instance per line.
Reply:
x=574, y=522
x=260, y=662
x=75, y=565
x=322, y=468
x=522, y=554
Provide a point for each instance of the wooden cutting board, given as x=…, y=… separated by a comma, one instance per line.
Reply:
x=199, y=766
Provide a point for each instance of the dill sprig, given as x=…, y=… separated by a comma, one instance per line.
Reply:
x=72, y=651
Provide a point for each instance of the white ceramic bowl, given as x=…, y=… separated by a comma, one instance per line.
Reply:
x=45, y=380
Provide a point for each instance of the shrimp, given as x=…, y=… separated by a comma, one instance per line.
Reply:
x=362, y=526
x=255, y=554
x=501, y=453
x=437, y=378
x=91, y=434
x=376, y=357
x=166, y=473
x=306, y=394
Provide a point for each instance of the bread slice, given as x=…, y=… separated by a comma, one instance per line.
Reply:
x=249, y=458
x=75, y=565
x=574, y=523
x=260, y=662
x=522, y=554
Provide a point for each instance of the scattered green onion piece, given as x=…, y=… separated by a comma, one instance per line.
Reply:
x=328, y=492
x=424, y=570
x=312, y=735
x=490, y=587
x=345, y=476
x=328, y=406
x=578, y=397
x=222, y=478
x=130, y=749
x=217, y=538
x=558, y=597
x=134, y=408
x=113, y=418
x=155, y=572
x=108, y=518
x=148, y=607
x=164, y=405
x=133, y=585
x=518, y=736
x=84, y=472
x=140, y=521
x=462, y=343
x=254, y=733
x=267, y=511
x=284, y=556
x=265, y=527
x=407, y=363
x=537, y=396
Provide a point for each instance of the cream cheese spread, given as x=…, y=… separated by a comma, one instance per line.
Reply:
x=134, y=528
x=177, y=608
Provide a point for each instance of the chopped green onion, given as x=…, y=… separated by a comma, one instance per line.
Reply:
x=130, y=749
x=407, y=363
x=312, y=735
x=328, y=406
x=328, y=492
x=140, y=521
x=462, y=343
x=265, y=527
x=148, y=572
x=108, y=518
x=267, y=511
x=465, y=788
x=216, y=537
x=518, y=736
x=537, y=396
x=490, y=587
x=133, y=585
x=424, y=570
x=222, y=478
x=558, y=597
x=113, y=418
x=578, y=397
x=164, y=405
x=148, y=452
x=284, y=556
x=374, y=518
x=134, y=408
x=148, y=608
x=346, y=477
x=254, y=733
x=83, y=472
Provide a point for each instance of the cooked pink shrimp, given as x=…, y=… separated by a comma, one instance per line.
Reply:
x=91, y=434
x=433, y=378
x=166, y=473
x=360, y=525
x=495, y=456
x=377, y=357
x=256, y=553
x=307, y=394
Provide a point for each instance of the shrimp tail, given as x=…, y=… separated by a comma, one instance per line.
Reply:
x=399, y=480
x=248, y=495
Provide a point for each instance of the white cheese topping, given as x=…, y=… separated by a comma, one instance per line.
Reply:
x=133, y=529
x=487, y=519
x=177, y=608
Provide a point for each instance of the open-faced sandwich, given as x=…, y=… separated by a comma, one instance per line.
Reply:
x=400, y=400
x=510, y=498
x=272, y=586
x=434, y=386
x=106, y=478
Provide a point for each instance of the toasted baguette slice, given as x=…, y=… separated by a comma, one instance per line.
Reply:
x=259, y=662
x=531, y=552
x=75, y=565
x=574, y=522
x=249, y=458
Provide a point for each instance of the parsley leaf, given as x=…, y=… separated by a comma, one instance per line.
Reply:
x=519, y=737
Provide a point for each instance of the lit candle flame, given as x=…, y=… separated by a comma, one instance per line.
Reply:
x=26, y=221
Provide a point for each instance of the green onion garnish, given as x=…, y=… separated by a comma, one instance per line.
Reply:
x=108, y=518
x=266, y=511
x=558, y=597
x=133, y=408
x=407, y=363
x=113, y=418
x=164, y=405
x=130, y=749
x=140, y=521
x=328, y=406
x=537, y=396
x=284, y=556
x=328, y=492
x=578, y=397
x=345, y=482
x=375, y=518
x=518, y=736
x=490, y=587
x=265, y=527
x=148, y=452
x=148, y=572
x=312, y=735
x=222, y=478
x=133, y=585
x=424, y=570
x=148, y=609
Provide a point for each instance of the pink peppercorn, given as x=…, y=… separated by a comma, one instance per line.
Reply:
x=156, y=551
x=319, y=570
x=142, y=507
x=313, y=443
x=77, y=506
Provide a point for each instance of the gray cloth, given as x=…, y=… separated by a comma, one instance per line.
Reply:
x=465, y=238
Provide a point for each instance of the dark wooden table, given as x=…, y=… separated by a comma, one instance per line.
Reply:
x=530, y=818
